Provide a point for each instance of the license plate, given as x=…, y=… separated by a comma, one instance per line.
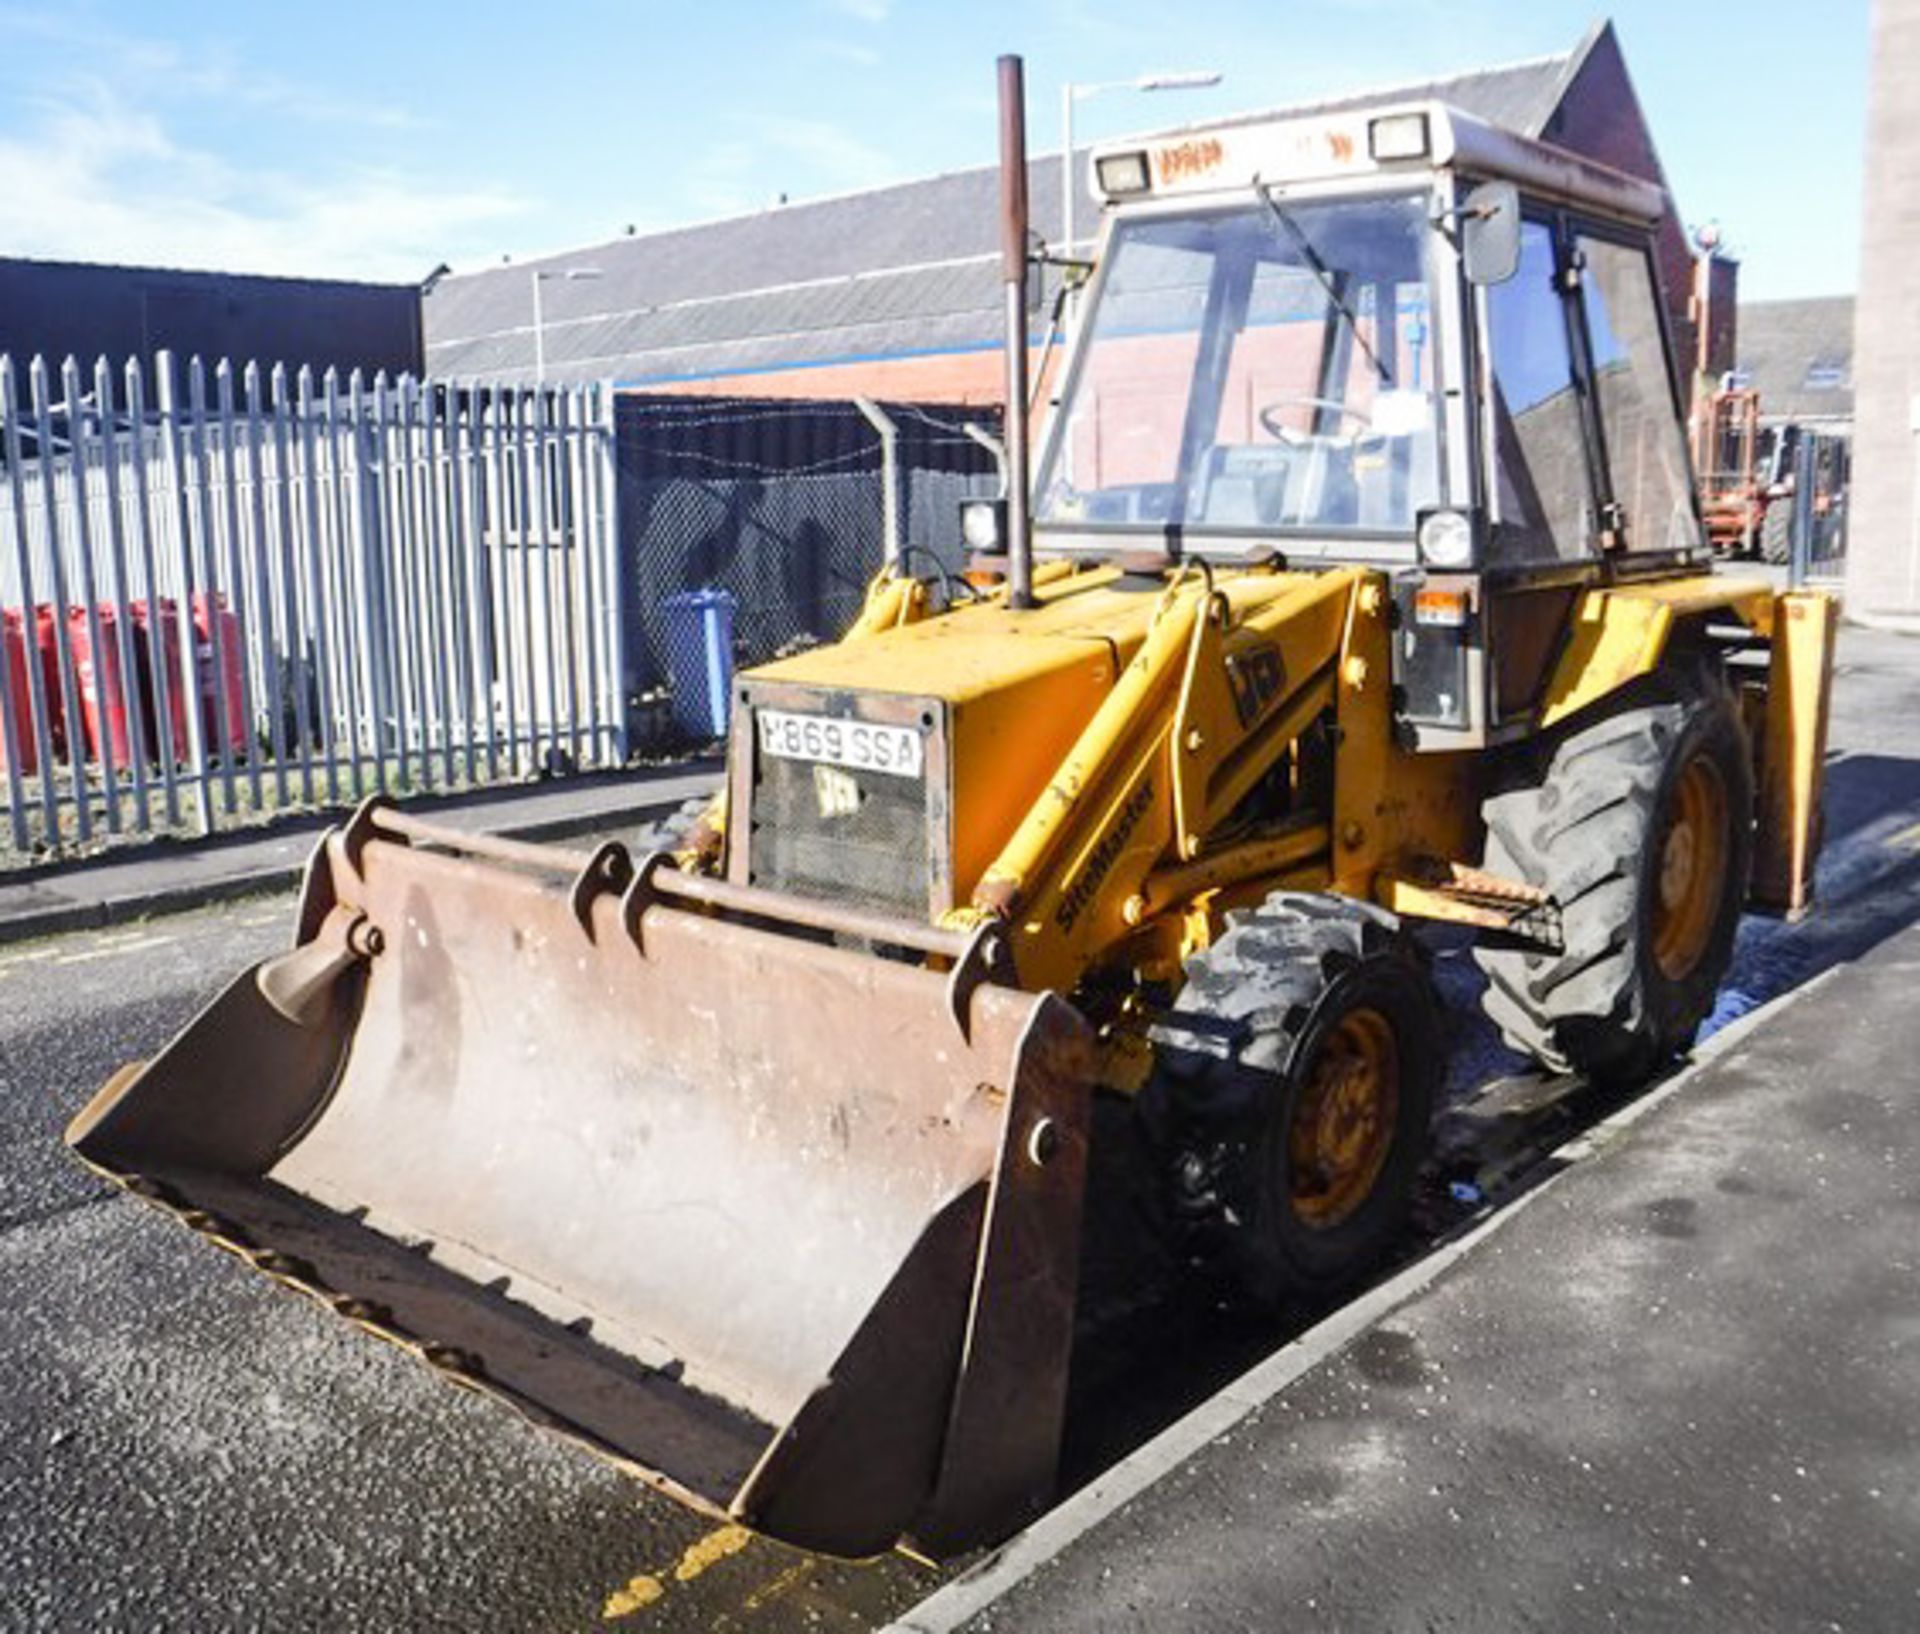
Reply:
x=860, y=746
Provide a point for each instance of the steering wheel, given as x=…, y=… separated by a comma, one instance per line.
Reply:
x=1270, y=422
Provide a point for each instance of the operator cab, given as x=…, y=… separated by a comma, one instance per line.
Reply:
x=1397, y=337
x=1263, y=367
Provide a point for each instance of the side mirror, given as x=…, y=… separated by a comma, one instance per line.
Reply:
x=1490, y=232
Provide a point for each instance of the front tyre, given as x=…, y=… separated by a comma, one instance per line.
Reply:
x=1292, y=1096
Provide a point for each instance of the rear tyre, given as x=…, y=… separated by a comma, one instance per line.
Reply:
x=1641, y=831
x=1293, y=1088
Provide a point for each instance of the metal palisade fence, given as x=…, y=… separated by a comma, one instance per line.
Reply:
x=227, y=592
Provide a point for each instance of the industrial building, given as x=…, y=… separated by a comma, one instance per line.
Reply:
x=58, y=309
x=894, y=292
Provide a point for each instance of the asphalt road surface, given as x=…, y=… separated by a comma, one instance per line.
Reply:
x=184, y=1445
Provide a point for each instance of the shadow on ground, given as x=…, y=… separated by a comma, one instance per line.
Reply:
x=1151, y=1349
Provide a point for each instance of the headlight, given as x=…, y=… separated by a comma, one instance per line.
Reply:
x=983, y=525
x=1398, y=136
x=1446, y=539
x=1121, y=173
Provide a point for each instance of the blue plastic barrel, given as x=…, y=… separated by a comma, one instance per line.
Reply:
x=698, y=627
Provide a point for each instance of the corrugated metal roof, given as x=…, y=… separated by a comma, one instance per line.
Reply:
x=894, y=270
x=1800, y=356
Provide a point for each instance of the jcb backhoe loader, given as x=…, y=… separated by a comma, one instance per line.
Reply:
x=1360, y=583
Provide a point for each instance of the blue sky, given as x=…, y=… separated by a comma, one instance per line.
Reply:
x=364, y=140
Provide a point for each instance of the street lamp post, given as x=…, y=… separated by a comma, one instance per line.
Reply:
x=1070, y=94
x=537, y=277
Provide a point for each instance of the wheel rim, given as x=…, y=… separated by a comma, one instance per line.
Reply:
x=1692, y=858
x=1344, y=1121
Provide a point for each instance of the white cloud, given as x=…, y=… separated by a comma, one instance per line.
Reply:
x=860, y=56
x=840, y=158
x=96, y=177
x=727, y=179
x=866, y=11
x=164, y=71
x=775, y=155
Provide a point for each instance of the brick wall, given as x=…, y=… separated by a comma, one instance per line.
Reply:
x=959, y=378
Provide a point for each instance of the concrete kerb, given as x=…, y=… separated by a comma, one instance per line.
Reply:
x=183, y=897
x=975, y=1590
x=108, y=911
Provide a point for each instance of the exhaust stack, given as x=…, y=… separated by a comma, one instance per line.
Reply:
x=1013, y=271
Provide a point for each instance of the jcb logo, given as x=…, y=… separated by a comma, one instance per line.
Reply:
x=1189, y=159
x=1256, y=678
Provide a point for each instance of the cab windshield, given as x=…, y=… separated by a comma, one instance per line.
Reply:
x=1258, y=369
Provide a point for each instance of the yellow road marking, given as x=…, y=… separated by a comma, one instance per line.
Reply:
x=92, y=953
x=641, y=1591
x=710, y=1551
x=133, y=933
x=775, y=1588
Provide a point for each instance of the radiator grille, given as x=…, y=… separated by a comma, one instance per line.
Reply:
x=861, y=837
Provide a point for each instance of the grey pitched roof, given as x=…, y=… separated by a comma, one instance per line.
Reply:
x=1800, y=356
x=887, y=272
x=1521, y=96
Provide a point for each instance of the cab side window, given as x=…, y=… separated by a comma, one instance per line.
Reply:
x=1540, y=455
x=1646, y=457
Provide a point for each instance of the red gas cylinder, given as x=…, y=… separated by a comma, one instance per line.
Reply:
x=205, y=610
x=48, y=647
x=13, y=654
x=156, y=647
x=103, y=704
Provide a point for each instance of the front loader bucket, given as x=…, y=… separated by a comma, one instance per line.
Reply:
x=789, y=1230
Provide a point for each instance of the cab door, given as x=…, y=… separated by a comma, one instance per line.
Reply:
x=1650, y=512
x=1545, y=478
x=1588, y=474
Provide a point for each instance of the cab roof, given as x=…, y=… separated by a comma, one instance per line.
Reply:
x=1403, y=138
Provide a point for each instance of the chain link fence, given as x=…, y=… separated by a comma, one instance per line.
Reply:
x=788, y=506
